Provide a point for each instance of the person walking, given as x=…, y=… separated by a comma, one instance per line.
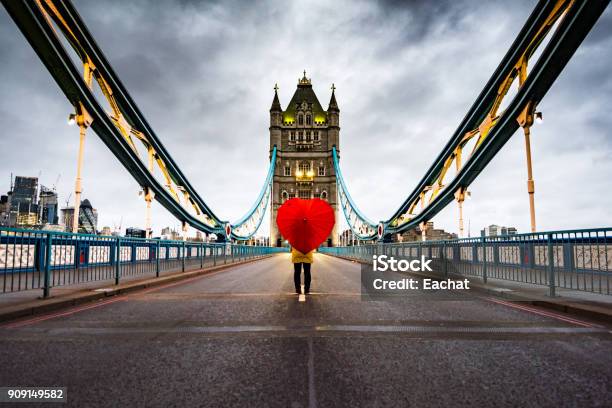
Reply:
x=299, y=259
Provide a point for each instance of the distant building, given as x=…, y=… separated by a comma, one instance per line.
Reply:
x=88, y=218
x=169, y=233
x=5, y=210
x=135, y=233
x=48, y=206
x=24, y=206
x=256, y=241
x=497, y=230
x=431, y=234
x=27, y=219
x=106, y=231
x=347, y=238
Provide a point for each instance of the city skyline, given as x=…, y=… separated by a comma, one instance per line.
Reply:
x=393, y=95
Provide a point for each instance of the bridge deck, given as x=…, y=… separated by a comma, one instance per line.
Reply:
x=240, y=337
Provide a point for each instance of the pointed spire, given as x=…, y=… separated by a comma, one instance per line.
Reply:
x=276, y=106
x=304, y=81
x=333, y=105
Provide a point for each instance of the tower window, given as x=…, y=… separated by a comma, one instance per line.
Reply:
x=308, y=120
x=308, y=136
x=321, y=170
x=287, y=171
x=304, y=194
x=300, y=119
x=324, y=195
x=292, y=136
x=317, y=136
x=300, y=136
x=305, y=167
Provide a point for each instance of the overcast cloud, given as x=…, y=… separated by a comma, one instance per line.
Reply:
x=405, y=72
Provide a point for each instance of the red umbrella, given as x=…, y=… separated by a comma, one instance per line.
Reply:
x=306, y=224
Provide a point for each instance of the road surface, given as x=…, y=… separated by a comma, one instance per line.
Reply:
x=240, y=337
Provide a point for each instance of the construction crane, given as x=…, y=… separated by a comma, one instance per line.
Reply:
x=68, y=200
x=59, y=176
x=118, y=228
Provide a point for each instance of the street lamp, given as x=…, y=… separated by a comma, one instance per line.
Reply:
x=538, y=117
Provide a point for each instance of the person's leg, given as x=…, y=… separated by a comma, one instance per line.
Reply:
x=297, y=271
x=306, y=277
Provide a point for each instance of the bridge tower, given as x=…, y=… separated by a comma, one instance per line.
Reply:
x=304, y=135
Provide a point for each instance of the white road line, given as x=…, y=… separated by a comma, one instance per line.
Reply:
x=315, y=330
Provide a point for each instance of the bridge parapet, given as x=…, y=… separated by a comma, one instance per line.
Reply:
x=31, y=259
x=578, y=260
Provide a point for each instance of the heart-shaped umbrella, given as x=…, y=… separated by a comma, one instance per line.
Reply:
x=306, y=224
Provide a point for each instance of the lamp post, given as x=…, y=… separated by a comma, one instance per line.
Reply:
x=83, y=120
x=525, y=120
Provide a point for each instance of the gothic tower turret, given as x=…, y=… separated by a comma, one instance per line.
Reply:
x=333, y=117
x=275, y=120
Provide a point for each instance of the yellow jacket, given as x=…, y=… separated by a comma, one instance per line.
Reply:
x=298, y=257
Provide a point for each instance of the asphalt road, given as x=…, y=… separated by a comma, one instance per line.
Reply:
x=240, y=337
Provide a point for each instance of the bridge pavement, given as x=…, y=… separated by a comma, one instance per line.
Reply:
x=240, y=337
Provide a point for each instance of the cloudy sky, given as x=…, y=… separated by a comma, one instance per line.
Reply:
x=405, y=72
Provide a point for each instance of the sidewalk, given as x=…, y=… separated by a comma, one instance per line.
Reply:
x=587, y=304
x=14, y=305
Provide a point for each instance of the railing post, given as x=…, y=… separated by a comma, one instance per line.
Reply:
x=118, y=261
x=48, y=252
x=184, y=255
x=201, y=255
x=551, y=266
x=443, y=257
x=157, y=252
x=484, y=260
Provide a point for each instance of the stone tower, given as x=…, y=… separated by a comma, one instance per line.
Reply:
x=304, y=135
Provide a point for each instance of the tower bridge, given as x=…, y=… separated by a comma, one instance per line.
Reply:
x=304, y=138
x=305, y=135
x=122, y=321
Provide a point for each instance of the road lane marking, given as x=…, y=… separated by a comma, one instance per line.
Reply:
x=544, y=313
x=71, y=311
x=314, y=329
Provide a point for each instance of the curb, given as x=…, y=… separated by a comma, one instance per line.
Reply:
x=599, y=313
x=42, y=306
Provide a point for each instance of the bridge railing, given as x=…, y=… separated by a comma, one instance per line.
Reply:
x=31, y=259
x=575, y=259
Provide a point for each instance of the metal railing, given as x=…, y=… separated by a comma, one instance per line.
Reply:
x=31, y=259
x=575, y=259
